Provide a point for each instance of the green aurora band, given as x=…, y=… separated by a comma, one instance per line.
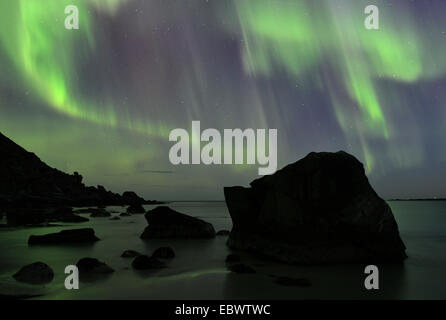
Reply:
x=44, y=52
x=298, y=36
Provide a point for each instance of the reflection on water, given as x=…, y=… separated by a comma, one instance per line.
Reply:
x=198, y=271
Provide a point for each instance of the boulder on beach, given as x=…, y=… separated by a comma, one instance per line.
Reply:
x=167, y=223
x=318, y=210
x=90, y=266
x=135, y=209
x=164, y=253
x=223, y=233
x=35, y=273
x=65, y=236
x=144, y=262
x=130, y=254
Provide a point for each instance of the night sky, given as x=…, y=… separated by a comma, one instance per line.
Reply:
x=102, y=100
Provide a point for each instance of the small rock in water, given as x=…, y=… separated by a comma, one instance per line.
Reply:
x=293, y=282
x=167, y=223
x=115, y=218
x=93, y=266
x=144, y=262
x=164, y=253
x=35, y=273
x=241, y=268
x=130, y=254
x=223, y=233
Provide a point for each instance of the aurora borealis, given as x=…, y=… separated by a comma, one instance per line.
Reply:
x=102, y=100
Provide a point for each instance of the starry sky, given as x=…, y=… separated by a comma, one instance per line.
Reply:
x=102, y=100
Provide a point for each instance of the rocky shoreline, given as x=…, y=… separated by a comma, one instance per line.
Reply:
x=31, y=192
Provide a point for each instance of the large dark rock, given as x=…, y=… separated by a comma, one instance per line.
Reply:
x=320, y=209
x=167, y=223
x=35, y=273
x=26, y=179
x=66, y=236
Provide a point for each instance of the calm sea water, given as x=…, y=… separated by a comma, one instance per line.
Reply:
x=198, y=271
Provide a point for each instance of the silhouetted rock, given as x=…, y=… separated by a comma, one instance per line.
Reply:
x=231, y=258
x=167, y=223
x=293, y=282
x=92, y=266
x=164, y=253
x=26, y=179
x=66, y=236
x=144, y=262
x=130, y=254
x=35, y=273
x=223, y=233
x=320, y=209
x=100, y=213
x=135, y=208
x=240, y=268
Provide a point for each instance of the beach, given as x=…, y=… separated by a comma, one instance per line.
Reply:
x=199, y=271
